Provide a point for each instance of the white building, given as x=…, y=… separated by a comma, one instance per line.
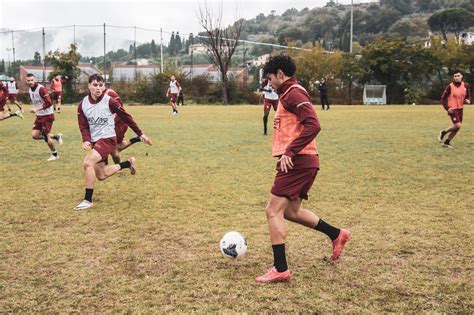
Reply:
x=198, y=49
x=467, y=38
x=260, y=60
x=130, y=72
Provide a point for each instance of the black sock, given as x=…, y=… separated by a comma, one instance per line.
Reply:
x=89, y=192
x=135, y=139
x=55, y=137
x=447, y=141
x=125, y=164
x=327, y=229
x=55, y=153
x=12, y=114
x=279, y=257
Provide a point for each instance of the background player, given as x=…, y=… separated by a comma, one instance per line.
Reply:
x=295, y=128
x=12, y=93
x=120, y=129
x=172, y=92
x=57, y=91
x=3, y=103
x=42, y=107
x=270, y=99
x=454, y=96
x=97, y=125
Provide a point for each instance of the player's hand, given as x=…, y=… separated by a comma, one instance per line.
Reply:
x=145, y=139
x=87, y=145
x=34, y=110
x=286, y=163
x=450, y=111
x=468, y=101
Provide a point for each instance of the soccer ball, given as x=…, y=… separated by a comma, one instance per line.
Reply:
x=317, y=82
x=233, y=245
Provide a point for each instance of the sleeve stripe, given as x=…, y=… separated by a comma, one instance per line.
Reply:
x=303, y=103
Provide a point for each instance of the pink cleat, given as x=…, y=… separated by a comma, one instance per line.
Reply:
x=339, y=242
x=273, y=275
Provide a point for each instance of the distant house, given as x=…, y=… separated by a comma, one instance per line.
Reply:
x=130, y=72
x=86, y=71
x=260, y=60
x=467, y=38
x=213, y=74
x=198, y=49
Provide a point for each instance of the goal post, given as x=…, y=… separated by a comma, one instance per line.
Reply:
x=375, y=94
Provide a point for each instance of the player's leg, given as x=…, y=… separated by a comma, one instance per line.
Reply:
x=266, y=112
x=452, y=133
x=322, y=101
x=49, y=141
x=327, y=101
x=104, y=171
x=6, y=115
x=89, y=167
x=59, y=103
x=276, y=224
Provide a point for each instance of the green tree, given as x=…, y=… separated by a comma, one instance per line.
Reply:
x=65, y=63
x=398, y=65
x=2, y=66
x=172, y=45
x=37, y=59
x=179, y=44
x=153, y=49
x=451, y=20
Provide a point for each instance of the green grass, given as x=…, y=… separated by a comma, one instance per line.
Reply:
x=150, y=244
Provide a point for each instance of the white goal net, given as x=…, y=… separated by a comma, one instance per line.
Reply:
x=375, y=94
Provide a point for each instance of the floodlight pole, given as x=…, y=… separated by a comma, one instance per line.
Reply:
x=74, y=34
x=352, y=25
x=135, y=52
x=161, y=51
x=44, y=57
x=105, y=60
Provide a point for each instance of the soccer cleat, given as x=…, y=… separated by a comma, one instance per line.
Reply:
x=85, y=204
x=53, y=158
x=60, y=138
x=339, y=242
x=441, y=135
x=133, y=166
x=19, y=114
x=448, y=146
x=173, y=113
x=273, y=275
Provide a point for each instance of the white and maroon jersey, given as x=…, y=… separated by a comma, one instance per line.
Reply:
x=38, y=101
x=12, y=87
x=100, y=118
x=272, y=95
x=174, y=87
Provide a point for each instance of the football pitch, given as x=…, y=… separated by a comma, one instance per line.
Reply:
x=150, y=244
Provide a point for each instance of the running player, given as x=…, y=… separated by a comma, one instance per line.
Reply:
x=454, y=96
x=3, y=102
x=57, y=91
x=12, y=93
x=172, y=93
x=42, y=107
x=120, y=130
x=295, y=128
x=270, y=99
x=97, y=125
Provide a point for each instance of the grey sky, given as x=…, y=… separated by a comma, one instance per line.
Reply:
x=178, y=15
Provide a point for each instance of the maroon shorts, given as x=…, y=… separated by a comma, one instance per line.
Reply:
x=105, y=147
x=12, y=97
x=43, y=124
x=173, y=97
x=456, y=116
x=56, y=96
x=268, y=104
x=120, y=130
x=294, y=184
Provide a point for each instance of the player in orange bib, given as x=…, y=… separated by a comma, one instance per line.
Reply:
x=57, y=91
x=295, y=128
x=454, y=96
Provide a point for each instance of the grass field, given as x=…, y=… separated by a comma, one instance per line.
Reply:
x=150, y=244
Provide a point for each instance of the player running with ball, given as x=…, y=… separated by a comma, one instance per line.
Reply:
x=97, y=125
x=295, y=128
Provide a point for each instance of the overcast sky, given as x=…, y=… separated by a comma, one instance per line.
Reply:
x=177, y=15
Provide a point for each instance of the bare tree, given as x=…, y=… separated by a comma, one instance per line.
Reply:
x=221, y=42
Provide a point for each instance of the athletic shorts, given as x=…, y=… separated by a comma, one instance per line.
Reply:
x=43, y=124
x=105, y=147
x=173, y=97
x=56, y=96
x=12, y=97
x=294, y=184
x=120, y=130
x=268, y=104
x=3, y=102
x=456, y=116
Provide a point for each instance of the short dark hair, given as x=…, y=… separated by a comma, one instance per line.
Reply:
x=96, y=77
x=29, y=75
x=458, y=71
x=280, y=62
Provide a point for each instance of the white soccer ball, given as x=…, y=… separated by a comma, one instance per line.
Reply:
x=317, y=82
x=233, y=245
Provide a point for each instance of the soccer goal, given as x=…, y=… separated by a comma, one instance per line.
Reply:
x=375, y=94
